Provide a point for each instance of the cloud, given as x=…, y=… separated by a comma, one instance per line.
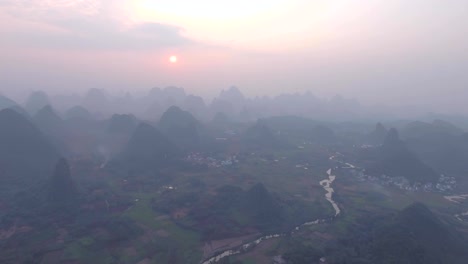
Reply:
x=39, y=8
x=90, y=35
x=85, y=25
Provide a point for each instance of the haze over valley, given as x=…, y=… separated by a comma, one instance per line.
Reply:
x=167, y=178
x=215, y=132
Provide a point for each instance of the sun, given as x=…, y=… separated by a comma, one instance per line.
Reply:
x=173, y=59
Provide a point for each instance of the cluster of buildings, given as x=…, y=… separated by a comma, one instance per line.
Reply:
x=444, y=184
x=211, y=162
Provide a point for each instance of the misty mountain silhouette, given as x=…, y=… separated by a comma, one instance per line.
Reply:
x=220, y=119
x=96, y=100
x=416, y=235
x=25, y=152
x=149, y=148
x=155, y=93
x=47, y=119
x=78, y=112
x=177, y=93
x=223, y=106
x=122, y=124
x=234, y=97
x=36, y=101
x=303, y=128
x=447, y=127
x=166, y=97
x=418, y=129
x=230, y=101
x=392, y=139
x=21, y=111
x=394, y=159
x=181, y=127
x=378, y=135
x=6, y=102
x=53, y=127
x=196, y=106
x=260, y=135
x=446, y=152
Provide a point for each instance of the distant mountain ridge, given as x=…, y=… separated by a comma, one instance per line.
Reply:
x=231, y=102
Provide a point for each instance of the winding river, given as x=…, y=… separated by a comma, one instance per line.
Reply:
x=326, y=184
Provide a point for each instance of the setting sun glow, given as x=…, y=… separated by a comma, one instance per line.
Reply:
x=173, y=59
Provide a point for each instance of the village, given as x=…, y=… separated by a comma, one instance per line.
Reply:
x=445, y=184
x=198, y=158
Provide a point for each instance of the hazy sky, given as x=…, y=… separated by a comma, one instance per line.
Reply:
x=392, y=51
